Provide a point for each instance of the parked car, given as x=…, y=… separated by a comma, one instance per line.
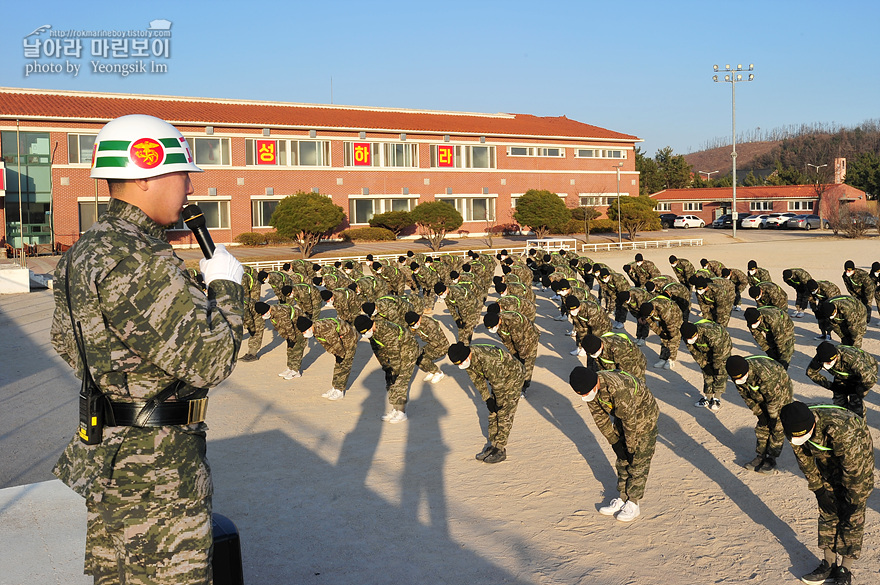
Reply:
x=803, y=222
x=777, y=219
x=667, y=220
x=755, y=221
x=723, y=221
x=688, y=221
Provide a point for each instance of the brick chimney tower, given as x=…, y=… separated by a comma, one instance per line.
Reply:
x=839, y=170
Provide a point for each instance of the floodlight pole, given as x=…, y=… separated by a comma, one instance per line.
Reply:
x=619, y=232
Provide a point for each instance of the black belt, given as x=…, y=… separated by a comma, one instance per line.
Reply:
x=181, y=412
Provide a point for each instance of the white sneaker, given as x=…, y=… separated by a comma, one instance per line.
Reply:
x=554, y=298
x=333, y=394
x=660, y=364
x=614, y=506
x=799, y=314
x=821, y=337
x=397, y=416
x=629, y=512
x=389, y=415
x=286, y=372
x=669, y=365
x=580, y=352
x=640, y=342
x=429, y=377
x=291, y=375
x=703, y=402
x=560, y=318
x=437, y=377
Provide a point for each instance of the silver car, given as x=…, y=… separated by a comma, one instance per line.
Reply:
x=755, y=221
x=804, y=222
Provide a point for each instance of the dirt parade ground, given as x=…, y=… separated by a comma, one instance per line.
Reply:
x=327, y=493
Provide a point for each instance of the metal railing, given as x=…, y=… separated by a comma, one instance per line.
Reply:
x=609, y=246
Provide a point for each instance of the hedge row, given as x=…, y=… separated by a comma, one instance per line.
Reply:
x=367, y=234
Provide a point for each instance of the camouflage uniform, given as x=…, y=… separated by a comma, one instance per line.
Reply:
x=616, y=283
x=278, y=280
x=371, y=288
x=340, y=339
x=284, y=318
x=676, y=291
x=347, y=304
x=393, y=277
x=740, y=283
x=146, y=325
x=520, y=336
x=638, y=297
x=710, y=351
x=772, y=294
x=436, y=344
x=426, y=276
x=394, y=308
x=861, y=286
x=509, y=302
x=255, y=324
x=684, y=270
x=849, y=322
x=716, y=302
x=715, y=267
x=666, y=322
x=493, y=366
x=854, y=374
x=825, y=290
x=308, y=297
x=774, y=333
x=798, y=281
x=839, y=457
x=465, y=307
x=591, y=319
x=758, y=275
x=625, y=411
x=620, y=353
x=765, y=390
x=397, y=350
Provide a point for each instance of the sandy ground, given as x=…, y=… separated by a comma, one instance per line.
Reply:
x=326, y=493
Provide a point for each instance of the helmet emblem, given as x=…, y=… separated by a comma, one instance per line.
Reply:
x=147, y=153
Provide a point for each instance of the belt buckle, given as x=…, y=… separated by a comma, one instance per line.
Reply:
x=197, y=410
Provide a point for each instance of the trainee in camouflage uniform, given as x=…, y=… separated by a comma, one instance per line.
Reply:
x=860, y=285
x=845, y=316
x=283, y=317
x=333, y=279
x=345, y=301
x=854, y=373
x=683, y=269
x=520, y=269
x=426, y=276
x=875, y=276
x=403, y=264
x=587, y=318
x=677, y=292
x=582, y=265
x=835, y=452
x=773, y=331
x=372, y=287
x=511, y=302
x=626, y=413
x=353, y=270
x=339, y=338
x=389, y=307
x=464, y=306
x=632, y=300
x=146, y=329
x=664, y=318
x=499, y=378
x=428, y=329
x=519, y=335
x=595, y=270
x=397, y=350
x=646, y=269
x=765, y=388
x=253, y=323
x=393, y=276
x=821, y=291
x=611, y=284
x=632, y=274
x=307, y=296
x=521, y=288
x=615, y=351
x=713, y=266
x=517, y=289
x=710, y=346
x=769, y=293
x=757, y=274
x=797, y=278
x=740, y=283
x=715, y=298
x=277, y=280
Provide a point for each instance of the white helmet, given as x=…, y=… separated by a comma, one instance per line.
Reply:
x=139, y=147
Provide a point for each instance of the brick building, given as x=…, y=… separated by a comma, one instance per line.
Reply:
x=368, y=160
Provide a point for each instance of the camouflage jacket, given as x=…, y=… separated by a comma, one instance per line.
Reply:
x=772, y=295
x=646, y=271
x=774, y=328
x=509, y=302
x=767, y=388
x=490, y=363
x=251, y=285
x=854, y=367
x=278, y=280
x=394, y=308
x=719, y=293
x=308, y=297
x=712, y=348
x=463, y=303
x=715, y=267
x=146, y=324
x=850, y=317
x=684, y=270
x=625, y=398
x=432, y=334
x=347, y=304
x=666, y=319
x=827, y=290
x=336, y=336
x=518, y=333
x=840, y=452
x=759, y=275
x=637, y=297
x=739, y=279
x=591, y=318
x=860, y=284
x=799, y=278
x=619, y=352
x=283, y=317
x=393, y=344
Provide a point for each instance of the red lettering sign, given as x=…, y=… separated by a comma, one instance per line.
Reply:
x=362, y=154
x=266, y=153
x=445, y=155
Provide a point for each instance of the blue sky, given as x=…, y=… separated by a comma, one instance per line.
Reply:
x=643, y=68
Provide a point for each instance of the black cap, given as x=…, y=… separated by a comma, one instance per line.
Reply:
x=752, y=315
x=368, y=308
x=458, y=352
x=826, y=351
x=286, y=266
x=303, y=323
x=646, y=309
x=604, y=272
x=466, y=267
x=736, y=366
x=825, y=310
x=439, y=288
x=454, y=274
x=673, y=259
x=414, y=266
x=849, y=265
x=752, y=264
x=261, y=308
x=573, y=262
x=326, y=295
x=563, y=284
x=650, y=286
x=627, y=268
x=497, y=280
x=725, y=272
x=401, y=259
x=338, y=264
x=704, y=262
x=363, y=323
x=797, y=419
x=411, y=318
x=369, y=257
x=591, y=344
x=353, y=287
x=262, y=275
x=317, y=281
x=545, y=280
x=500, y=288
x=493, y=308
x=786, y=274
x=812, y=285
x=572, y=302
x=504, y=252
x=754, y=291
x=639, y=257
x=376, y=265
x=699, y=281
x=688, y=330
x=491, y=320
x=582, y=380
x=410, y=253
x=508, y=261
x=547, y=257
x=623, y=296
x=316, y=267
x=349, y=264
x=875, y=266
x=286, y=290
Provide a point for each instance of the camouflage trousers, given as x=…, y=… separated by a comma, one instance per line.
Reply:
x=839, y=531
x=632, y=474
x=295, y=351
x=527, y=356
x=850, y=397
x=428, y=356
x=769, y=440
x=669, y=347
x=342, y=371
x=255, y=325
x=397, y=382
x=720, y=313
x=501, y=421
x=149, y=527
x=714, y=384
x=782, y=353
x=802, y=298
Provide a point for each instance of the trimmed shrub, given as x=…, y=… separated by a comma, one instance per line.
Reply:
x=276, y=239
x=367, y=234
x=251, y=239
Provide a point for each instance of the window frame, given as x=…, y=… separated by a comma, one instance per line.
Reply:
x=225, y=150
x=692, y=206
x=761, y=205
x=464, y=204
x=74, y=146
x=381, y=203
x=802, y=205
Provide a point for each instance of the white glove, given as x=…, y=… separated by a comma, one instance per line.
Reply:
x=222, y=266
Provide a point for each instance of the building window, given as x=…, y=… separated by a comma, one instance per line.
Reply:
x=211, y=151
x=362, y=209
x=760, y=206
x=401, y=155
x=87, y=212
x=599, y=153
x=660, y=207
x=216, y=214
x=310, y=153
x=535, y=151
x=800, y=205
x=262, y=210
x=473, y=208
x=693, y=206
x=79, y=148
x=361, y=154
x=261, y=152
x=469, y=157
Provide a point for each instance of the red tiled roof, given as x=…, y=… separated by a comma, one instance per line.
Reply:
x=764, y=192
x=86, y=106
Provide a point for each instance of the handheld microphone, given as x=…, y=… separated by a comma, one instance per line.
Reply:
x=195, y=221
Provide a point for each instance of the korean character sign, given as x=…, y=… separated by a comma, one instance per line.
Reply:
x=266, y=153
x=362, y=154
x=445, y=155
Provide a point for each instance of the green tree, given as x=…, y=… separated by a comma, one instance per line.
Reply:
x=864, y=173
x=306, y=218
x=586, y=215
x=434, y=220
x=636, y=214
x=751, y=180
x=649, y=174
x=542, y=211
x=395, y=221
x=674, y=170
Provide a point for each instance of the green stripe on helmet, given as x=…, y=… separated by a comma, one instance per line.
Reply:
x=170, y=142
x=111, y=161
x=114, y=145
x=177, y=158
